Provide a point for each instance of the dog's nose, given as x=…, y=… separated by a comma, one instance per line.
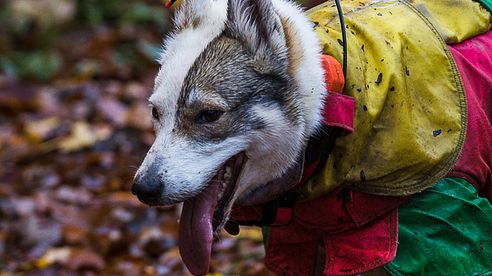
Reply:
x=147, y=188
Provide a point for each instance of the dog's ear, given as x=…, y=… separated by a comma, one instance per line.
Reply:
x=192, y=13
x=257, y=25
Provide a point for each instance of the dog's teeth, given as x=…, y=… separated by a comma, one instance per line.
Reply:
x=221, y=191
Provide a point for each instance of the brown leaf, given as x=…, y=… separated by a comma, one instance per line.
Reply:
x=73, y=234
x=139, y=116
x=15, y=97
x=171, y=259
x=125, y=198
x=137, y=91
x=83, y=258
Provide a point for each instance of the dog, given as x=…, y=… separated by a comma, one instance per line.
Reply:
x=216, y=133
x=239, y=95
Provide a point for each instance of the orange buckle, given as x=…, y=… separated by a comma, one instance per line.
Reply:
x=169, y=3
x=334, y=78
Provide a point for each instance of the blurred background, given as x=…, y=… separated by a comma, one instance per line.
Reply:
x=74, y=126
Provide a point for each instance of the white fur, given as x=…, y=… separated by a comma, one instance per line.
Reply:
x=271, y=153
x=243, y=24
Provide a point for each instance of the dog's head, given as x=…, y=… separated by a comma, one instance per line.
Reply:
x=229, y=113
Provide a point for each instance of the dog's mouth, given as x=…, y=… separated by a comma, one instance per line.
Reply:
x=205, y=214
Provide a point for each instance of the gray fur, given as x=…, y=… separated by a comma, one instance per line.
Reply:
x=227, y=70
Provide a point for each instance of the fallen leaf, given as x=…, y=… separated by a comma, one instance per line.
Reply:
x=73, y=195
x=82, y=136
x=171, y=259
x=72, y=258
x=40, y=129
x=73, y=234
x=139, y=117
x=113, y=110
x=83, y=258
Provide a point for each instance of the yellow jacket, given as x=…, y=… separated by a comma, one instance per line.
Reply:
x=411, y=114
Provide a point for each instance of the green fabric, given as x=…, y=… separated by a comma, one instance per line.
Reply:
x=445, y=230
x=487, y=4
x=265, y=232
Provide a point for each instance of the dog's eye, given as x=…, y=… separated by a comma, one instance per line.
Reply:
x=208, y=116
x=155, y=113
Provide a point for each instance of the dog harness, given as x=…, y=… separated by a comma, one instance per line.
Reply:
x=295, y=232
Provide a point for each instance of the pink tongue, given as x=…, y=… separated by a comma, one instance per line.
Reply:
x=195, y=230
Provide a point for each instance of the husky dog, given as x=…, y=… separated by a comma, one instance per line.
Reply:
x=239, y=92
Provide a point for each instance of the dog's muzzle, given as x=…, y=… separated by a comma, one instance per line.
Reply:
x=147, y=189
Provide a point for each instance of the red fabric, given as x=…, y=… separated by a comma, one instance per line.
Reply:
x=474, y=60
x=358, y=231
x=353, y=252
x=283, y=217
x=338, y=111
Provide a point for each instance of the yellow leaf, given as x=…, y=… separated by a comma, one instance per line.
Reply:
x=54, y=255
x=38, y=130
